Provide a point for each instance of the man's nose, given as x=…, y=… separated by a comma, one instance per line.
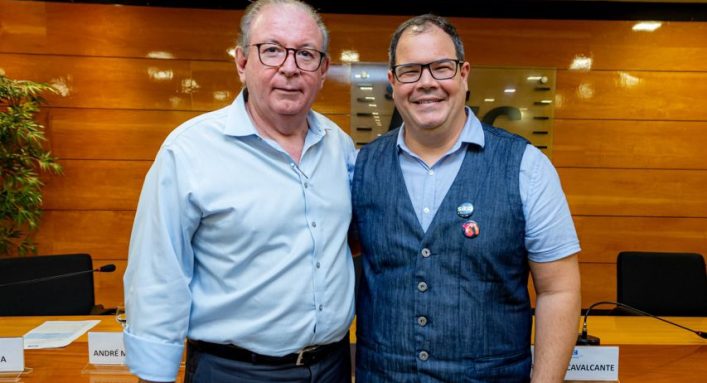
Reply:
x=426, y=77
x=289, y=65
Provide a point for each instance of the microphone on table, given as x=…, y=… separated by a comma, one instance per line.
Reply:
x=584, y=339
x=109, y=268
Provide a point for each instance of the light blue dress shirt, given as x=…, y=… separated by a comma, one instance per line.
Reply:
x=549, y=229
x=235, y=243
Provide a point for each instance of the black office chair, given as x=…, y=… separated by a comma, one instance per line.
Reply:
x=61, y=296
x=668, y=284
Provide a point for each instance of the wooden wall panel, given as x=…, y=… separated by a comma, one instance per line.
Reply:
x=110, y=134
x=103, y=234
x=635, y=192
x=112, y=83
x=602, y=238
x=629, y=144
x=116, y=31
x=556, y=43
x=126, y=31
x=598, y=282
x=95, y=185
x=109, y=286
x=109, y=83
x=631, y=95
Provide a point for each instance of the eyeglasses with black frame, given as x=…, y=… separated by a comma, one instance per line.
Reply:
x=440, y=70
x=274, y=55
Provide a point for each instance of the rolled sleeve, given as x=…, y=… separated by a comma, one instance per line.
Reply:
x=164, y=358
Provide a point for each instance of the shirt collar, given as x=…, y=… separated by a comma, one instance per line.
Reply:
x=239, y=124
x=472, y=133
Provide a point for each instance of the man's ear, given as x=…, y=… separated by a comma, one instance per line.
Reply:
x=464, y=73
x=391, y=81
x=241, y=59
x=324, y=69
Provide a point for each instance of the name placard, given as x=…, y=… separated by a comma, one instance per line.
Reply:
x=106, y=348
x=594, y=363
x=12, y=354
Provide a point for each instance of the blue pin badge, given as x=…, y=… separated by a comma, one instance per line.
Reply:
x=465, y=210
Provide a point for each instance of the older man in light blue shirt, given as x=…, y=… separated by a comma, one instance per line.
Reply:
x=239, y=242
x=239, y=245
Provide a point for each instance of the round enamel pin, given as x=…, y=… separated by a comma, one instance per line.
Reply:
x=465, y=210
x=471, y=229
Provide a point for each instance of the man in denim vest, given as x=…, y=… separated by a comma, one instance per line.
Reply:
x=452, y=216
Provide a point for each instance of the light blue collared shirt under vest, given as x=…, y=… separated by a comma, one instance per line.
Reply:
x=549, y=229
x=235, y=243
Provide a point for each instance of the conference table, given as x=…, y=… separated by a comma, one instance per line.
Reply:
x=649, y=350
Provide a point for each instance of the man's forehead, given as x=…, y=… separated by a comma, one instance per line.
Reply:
x=283, y=23
x=424, y=29
x=410, y=36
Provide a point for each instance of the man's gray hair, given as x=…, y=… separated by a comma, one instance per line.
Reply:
x=419, y=24
x=252, y=11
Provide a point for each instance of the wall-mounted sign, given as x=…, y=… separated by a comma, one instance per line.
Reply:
x=520, y=100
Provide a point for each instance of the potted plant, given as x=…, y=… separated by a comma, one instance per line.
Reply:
x=22, y=157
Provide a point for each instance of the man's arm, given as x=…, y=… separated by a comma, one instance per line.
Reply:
x=160, y=266
x=557, y=312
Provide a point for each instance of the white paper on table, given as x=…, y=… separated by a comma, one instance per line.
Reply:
x=53, y=334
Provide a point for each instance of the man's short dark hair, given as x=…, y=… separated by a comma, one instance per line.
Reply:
x=419, y=25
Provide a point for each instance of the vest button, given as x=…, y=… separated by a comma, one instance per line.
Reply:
x=422, y=286
x=422, y=321
x=423, y=355
x=425, y=252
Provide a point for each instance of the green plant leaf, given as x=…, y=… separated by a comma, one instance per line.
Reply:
x=22, y=157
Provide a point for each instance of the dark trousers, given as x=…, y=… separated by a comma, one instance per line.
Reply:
x=202, y=367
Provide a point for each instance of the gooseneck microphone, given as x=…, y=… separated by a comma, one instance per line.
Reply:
x=584, y=339
x=109, y=268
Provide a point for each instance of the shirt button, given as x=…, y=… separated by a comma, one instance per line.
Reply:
x=431, y=172
x=423, y=355
x=426, y=210
x=421, y=320
x=422, y=286
x=314, y=224
x=292, y=164
x=426, y=252
x=306, y=185
x=321, y=307
x=318, y=265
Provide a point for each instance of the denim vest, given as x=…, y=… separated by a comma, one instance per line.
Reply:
x=437, y=306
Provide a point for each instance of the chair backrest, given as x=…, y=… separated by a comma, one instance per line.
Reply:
x=62, y=296
x=670, y=284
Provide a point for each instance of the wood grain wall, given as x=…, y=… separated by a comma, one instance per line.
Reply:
x=629, y=134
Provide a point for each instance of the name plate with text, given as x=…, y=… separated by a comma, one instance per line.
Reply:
x=12, y=354
x=594, y=363
x=106, y=348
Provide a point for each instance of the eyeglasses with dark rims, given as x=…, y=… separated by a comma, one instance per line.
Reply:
x=440, y=70
x=274, y=55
